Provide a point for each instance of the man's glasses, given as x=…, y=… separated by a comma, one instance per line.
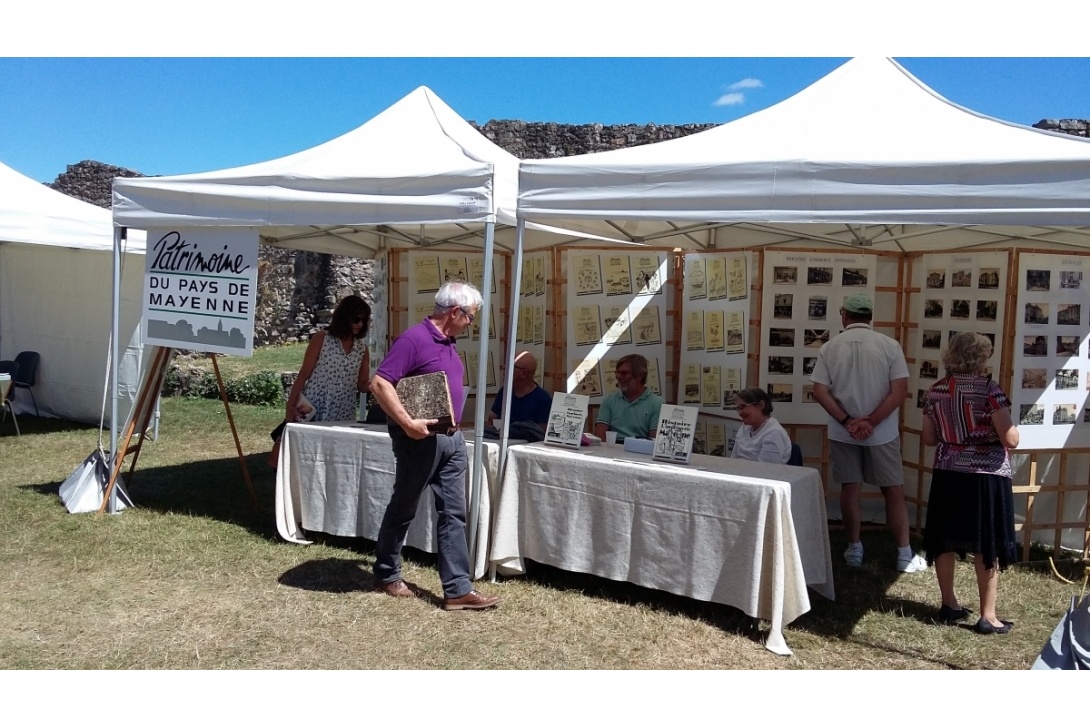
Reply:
x=468, y=315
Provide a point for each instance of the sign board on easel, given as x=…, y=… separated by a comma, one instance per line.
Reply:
x=200, y=289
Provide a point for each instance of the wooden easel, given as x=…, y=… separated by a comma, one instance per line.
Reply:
x=144, y=410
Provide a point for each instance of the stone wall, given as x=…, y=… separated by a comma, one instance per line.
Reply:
x=297, y=290
x=1075, y=127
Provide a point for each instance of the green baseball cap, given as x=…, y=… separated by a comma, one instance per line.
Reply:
x=858, y=303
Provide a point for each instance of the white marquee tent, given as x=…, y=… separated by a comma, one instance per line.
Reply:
x=55, y=268
x=415, y=175
x=867, y=156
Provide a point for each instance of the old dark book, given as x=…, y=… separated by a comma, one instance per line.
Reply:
x=427, y=396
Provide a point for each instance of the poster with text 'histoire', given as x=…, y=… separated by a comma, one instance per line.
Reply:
x=200, y=289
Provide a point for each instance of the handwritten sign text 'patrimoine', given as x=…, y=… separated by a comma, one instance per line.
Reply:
x=200, y=289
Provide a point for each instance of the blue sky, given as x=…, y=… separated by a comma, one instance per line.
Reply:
x=186, y=114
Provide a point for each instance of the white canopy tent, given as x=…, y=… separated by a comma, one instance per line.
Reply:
x=867, y=156
x=416, y=175
x=55, y=263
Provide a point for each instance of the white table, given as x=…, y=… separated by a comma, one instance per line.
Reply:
x=746, y=534
x=337, y=478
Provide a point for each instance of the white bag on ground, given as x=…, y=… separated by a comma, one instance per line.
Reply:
x=84, y=488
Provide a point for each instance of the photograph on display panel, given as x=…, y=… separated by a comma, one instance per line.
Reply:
x=800, y=313
x=1053, y=369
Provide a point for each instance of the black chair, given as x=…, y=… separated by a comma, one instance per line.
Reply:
x=12, y=369
x=796, y=455
x=28, y=374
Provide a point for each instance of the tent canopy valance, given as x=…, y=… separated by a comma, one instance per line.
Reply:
x=867, y=156
x=415, y=175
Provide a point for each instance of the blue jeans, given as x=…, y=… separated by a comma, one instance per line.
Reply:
x=439, y=462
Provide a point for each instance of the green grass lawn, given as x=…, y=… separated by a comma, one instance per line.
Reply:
x=195, y=577
x=287, y=357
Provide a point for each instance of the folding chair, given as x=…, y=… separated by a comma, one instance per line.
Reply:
x=28, y=374
x=8, y=385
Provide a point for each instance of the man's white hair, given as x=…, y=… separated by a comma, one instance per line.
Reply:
x=458, y=294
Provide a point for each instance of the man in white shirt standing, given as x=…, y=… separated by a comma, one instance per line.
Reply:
x=861, y=380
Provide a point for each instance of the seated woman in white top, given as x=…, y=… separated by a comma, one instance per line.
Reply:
x=760, y=438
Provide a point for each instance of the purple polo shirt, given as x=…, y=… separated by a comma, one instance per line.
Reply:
x=422, y=349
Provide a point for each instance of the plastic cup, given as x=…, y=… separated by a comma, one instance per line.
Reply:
x=611, y=437
x=498, y=424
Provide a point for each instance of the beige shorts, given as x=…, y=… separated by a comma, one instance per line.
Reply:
x=879, y=465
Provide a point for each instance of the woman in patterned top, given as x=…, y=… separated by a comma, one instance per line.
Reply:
x=967, y=418
x=336, y=366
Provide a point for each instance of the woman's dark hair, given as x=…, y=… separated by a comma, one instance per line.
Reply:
x=347, y=311
x=754, y=395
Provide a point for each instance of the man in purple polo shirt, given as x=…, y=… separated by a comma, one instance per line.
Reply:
x=425, y=459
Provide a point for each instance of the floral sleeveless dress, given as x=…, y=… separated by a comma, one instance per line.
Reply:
x=332, y=385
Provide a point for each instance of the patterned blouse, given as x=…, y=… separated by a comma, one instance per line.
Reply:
x=331, y=387
x=961, y=407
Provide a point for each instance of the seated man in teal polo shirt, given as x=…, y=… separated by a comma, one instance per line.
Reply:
x=632, y=410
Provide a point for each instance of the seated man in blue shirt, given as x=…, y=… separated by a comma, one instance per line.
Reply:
x=529, y=402
x=632, y=410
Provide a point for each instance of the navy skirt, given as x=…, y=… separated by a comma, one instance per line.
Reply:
x=970, y=513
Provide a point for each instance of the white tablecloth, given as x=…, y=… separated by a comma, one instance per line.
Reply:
x=746, y=534
x=337, y=477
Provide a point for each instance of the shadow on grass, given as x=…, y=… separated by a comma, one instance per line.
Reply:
x=330, y=575
x=31, y=425
x=858, y=590
x=212, y=489
x=726, y=618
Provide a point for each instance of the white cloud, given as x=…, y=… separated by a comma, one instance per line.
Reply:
x=735, y=95
x=730, y=99
x=746, y=83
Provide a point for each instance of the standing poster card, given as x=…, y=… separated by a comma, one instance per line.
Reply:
x=675, y=433
x=200, y=289
x=566, y=419
x=717, y=278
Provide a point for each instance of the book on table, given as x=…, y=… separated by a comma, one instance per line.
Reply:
x=427, y=396
x=675, y=432
x=566, y=419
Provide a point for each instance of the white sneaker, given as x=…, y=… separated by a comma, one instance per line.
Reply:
x=853, y=556
x=915, y=564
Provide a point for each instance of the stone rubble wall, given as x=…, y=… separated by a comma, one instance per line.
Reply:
x=297, y=290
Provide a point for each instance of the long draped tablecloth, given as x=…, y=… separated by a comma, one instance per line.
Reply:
x=746, y=534
x=337, y=478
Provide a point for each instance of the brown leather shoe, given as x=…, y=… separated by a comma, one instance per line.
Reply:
x=472, y=600
x=397, y=589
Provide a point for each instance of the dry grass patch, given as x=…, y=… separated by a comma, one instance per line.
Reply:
x=195, y=578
